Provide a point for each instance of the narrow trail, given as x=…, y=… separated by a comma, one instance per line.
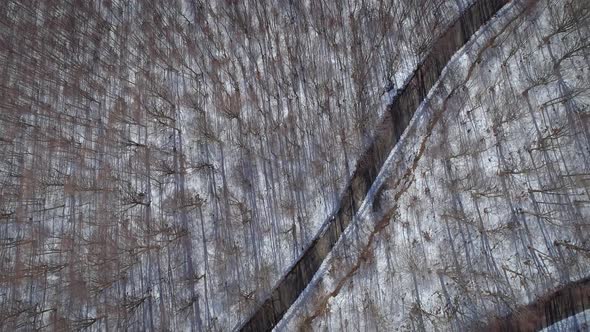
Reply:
x=391, y=128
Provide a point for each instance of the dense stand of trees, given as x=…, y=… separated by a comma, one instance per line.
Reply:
x=163, y=162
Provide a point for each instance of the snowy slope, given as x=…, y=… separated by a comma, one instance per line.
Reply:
x=163, y=162
x=484, y=204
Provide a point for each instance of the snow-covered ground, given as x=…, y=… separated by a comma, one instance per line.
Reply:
x=163, y=162
x=484, y=203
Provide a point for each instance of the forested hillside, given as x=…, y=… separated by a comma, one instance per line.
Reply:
x=164, y=163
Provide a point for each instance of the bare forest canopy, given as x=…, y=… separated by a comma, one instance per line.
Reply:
x=164, y=163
